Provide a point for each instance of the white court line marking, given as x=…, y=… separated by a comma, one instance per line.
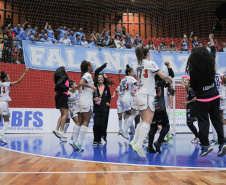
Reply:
x=80, y=160
x=101, y=172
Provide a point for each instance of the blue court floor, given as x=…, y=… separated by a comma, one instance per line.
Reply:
x=180, y=152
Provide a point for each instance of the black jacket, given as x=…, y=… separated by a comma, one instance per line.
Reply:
x=106, y=97
x=60, y=86
x=99, y=69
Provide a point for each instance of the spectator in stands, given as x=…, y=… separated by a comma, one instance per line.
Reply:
x=80, y=32
x=208, y=46
x=103, y=43
x=65, y=39
x=183, y=48
x=111, y=43
x=29, y=28
x=117, y=33
x=49, y=30
x=162, y=47
x=33, y=36
x=6, y=49
x=99, y=38
x=195, y=42
x=77, y=41
x=62, y=31
x=47, y=39
x=58, y=39
x=223, y=48
x=128, y=41
x=72, y=36
x=123, y=30
x=92, y=43
x=172, y=46
x=150, y=45
x=137, y=39
x=17, y=29
x=184, y=42
x=41, y=35
x=200, y=44
x=84, y=42
x=117, y=42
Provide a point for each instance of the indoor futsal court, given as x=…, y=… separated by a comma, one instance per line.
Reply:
x=112, y=92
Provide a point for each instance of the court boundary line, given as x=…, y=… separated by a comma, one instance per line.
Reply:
x=80, y=160
x=103, y=172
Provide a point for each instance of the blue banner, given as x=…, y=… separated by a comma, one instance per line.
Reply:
x=45, y=56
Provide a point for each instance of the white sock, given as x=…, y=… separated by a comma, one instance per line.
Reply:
x=214, y=133
x=132, y=128
x=224, y=126
x=61, y=133
x=4, y=128
x=143, y=131
x=129, y=122
x=120, y=124
x=136, y=135
x=66, y=127
x=76, y=131
x=125, y=121
x=82, y=134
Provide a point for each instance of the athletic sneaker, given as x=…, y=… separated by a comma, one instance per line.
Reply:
x=79, y=146
x=3, y=140
x=195, y=140
x=140, y=151
x=104, y=138
x=132, y=143
x=94, y=143
x=213, y=142
x=99, y=143
x=63, y=139
x=157, y=147
x=169, y=138
x=120, y=131
x=72, y=143
x=151, y=149
x=222, y=150
x=56, y=133
x=126, y=136
x=165, y=142
x=206, y=150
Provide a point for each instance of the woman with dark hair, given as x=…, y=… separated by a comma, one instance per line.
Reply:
x=144, y=97
x=127, y=86
x=201, y=68
x=85, y=102
x=61, y=81
x=5, y=85
x=102, y=99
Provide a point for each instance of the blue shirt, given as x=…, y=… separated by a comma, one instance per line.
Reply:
x=137, y=41
x=41, y=36
x=32, y=36
x=79, y=33
x=128, y=40
x=185, y=44
x=16, y=31
x=76, y=42
x=48, y=40
x=50, y=33
x=92, y=44
x=72, y=37
x=22, y=35
x=62, y=33
x=195, y=43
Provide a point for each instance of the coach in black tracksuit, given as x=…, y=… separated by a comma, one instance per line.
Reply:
x=201, y=68
x=102, y=99
x=160, y=116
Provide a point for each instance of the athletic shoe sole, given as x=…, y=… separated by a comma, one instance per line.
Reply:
x=56, y=134
x=223, y=152
x=3, y=141
x=123, y=136
x=136, y=149
x=74, y=146
x=208, y=151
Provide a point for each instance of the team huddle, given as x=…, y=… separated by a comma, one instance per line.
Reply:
x=146, y=99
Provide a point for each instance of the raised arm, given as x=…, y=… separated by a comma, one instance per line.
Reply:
x=99, y=69
x=119, y=75
x=168, y=79
x=21, y=78
x=170, y=70
x=191, y=36
x=46, y=26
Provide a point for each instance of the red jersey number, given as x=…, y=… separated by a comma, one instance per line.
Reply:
x=146, y=73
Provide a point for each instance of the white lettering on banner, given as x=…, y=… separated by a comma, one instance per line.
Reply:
x=54, y=58
x=130, y=59
x=114, y=61
x=71, y=59
x=36, y=55
x=92, y=56
x=183, y=59
x=169, y=58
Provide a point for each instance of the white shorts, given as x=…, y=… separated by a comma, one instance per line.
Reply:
x=4, y=108
x=222, y=104
x=74, y=114
x=83, y=108
x=127, y=105
x=143, y=101
x=119, y=107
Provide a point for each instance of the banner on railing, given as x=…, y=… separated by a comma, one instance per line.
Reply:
x=44, y=56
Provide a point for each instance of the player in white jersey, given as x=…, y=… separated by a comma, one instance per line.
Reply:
x=144, y=97
x=5, y=85
x=85, y=102
x=127, y=86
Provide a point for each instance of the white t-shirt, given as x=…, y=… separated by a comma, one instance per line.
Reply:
x=220, y=84
x=85, y=43
x=86, y=94
x=4, y=91
x=146, y=77
x=127, y=85
x=72, y=99
x=66, y=41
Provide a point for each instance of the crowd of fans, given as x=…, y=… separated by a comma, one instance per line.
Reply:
x=11, y=40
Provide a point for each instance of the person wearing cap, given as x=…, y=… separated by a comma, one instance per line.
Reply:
x=208, y=46
x=5, y=85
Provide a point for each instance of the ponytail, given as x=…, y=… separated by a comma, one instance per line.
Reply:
x=141, y=53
